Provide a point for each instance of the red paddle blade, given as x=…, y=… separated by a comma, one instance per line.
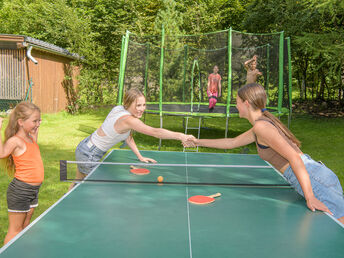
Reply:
x=201, y=199
x=140, y=171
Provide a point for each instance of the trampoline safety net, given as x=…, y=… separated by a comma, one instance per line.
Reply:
x=173, y=70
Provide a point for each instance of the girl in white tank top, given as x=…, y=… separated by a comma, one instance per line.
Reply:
x=117, y=127
x=111, y=137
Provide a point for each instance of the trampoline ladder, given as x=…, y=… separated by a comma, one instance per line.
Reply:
x=193, y=128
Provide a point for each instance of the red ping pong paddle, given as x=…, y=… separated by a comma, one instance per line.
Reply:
x=202, y=199
x=139, y=171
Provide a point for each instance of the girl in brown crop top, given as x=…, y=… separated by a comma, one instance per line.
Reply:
x=277, y=145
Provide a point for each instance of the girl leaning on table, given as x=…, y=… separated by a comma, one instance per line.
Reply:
x=277, y=145
x=24, y=159
x=117, y=126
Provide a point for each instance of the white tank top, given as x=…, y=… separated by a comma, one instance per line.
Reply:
x=111, y=136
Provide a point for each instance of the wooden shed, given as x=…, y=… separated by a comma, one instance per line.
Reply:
x=35, y=70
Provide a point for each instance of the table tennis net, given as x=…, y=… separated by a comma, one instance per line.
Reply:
x=193, y=174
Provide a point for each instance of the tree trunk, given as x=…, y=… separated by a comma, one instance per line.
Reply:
x=303, y=91
x=341, y=84
x=322, y=87
x=304, y=80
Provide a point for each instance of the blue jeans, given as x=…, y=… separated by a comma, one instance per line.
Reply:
x=87, y=151
x=325, y=184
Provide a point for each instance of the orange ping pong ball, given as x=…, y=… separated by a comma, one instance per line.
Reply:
x=160, y=179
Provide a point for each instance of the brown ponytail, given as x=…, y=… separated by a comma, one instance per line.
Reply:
x=256, y=96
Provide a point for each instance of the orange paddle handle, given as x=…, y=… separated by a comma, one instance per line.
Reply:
x=214, y=195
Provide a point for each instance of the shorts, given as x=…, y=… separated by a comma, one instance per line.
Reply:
x=325, y=184
x=21, y=197
x=87, y=151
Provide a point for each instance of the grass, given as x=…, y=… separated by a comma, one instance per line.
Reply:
x=322, y=138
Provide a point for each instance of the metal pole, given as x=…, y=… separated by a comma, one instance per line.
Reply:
x=290, y=86
x=124, y=61
x=280, y=81
x=119, y=96
x=185, y=68
x=146, y=69
x=229, y=83
x=161, y=77
x=195, y=62
x=267, y=73
x=161, y=124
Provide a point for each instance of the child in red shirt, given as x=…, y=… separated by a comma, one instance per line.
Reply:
x=214, y=87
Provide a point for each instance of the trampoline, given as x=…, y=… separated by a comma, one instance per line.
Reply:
x=197, y=110
x=172, y=71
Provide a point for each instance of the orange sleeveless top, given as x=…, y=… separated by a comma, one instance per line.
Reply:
x=29, y=165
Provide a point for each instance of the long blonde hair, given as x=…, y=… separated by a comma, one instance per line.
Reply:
x=130, y=96
x=22, y=111
x=255, y=94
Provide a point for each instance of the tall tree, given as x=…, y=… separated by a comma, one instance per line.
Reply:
x=316, y=29
x=169, y=17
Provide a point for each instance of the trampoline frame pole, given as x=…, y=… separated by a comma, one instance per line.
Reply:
x=199, y=130
x=186, y=119
x=185, y=67
x=195, y=63
x=146, y=69
x=280, y=81
x=229, y=83
x=161, y=124
x=226, y=132
x=290, y=84
x=267, y=74
x=161, y=77
x=123, y=64
x=119, y=96
x=161, y=68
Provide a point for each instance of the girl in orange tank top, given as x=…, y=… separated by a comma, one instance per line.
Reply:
x=24, y=159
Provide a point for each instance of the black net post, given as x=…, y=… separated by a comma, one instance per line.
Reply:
x=63, y=170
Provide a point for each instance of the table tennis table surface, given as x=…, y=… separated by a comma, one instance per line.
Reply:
x=107, y=219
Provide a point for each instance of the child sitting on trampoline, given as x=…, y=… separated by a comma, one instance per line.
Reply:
x=214, y=88
x=277, y=145
x=252, y=72
x=117, y=127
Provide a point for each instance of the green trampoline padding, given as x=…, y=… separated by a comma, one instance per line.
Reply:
x=199, y=110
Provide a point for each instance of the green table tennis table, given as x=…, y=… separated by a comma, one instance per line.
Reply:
x=116, y=219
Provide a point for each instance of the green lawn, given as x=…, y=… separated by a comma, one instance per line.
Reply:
x=60, y=133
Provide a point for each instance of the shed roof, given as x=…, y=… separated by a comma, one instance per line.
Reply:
x=10, y=41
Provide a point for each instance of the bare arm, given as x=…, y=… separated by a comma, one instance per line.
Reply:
x=227, y=143
x=247, y=63
x=137, y=125
x=268, y=135
x=132, y=145
x=10, y=145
